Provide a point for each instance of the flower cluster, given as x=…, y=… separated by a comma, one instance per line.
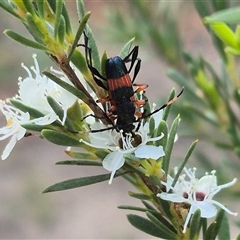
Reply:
x=119, y=144
x=33, y=92
x=198, y=193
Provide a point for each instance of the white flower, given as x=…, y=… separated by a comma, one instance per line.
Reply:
x=119, y=144
x=196, y=192
x=34, y=89
x=13, y=128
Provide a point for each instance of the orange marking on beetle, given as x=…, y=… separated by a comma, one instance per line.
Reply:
x=116, y=83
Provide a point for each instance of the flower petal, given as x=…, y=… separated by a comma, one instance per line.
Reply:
x=9, y=147
x=207, y=209
x=112, y=162
x=171, y=197
x=148, y=151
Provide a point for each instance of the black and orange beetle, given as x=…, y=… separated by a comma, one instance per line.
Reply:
x=124, y=107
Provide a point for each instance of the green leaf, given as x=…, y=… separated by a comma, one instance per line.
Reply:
x=27, y=42
x=186, y=158
x=126, y=49
x=94, y=48
x=67, y=21
x=170, y=143
x=147, y=226
x=214, y=227
x=195, y=225
x=40, y=8
x=167, y=109
x=36, y=127
x=21, y=106
x=60, y=138
x=80, y=155
x=141, y=196
x=8, y=7
x=148, y=206
x=162, y=128
x=78, y=59
x=131, y=157
x=34, y=27
x=202, y=7
x=76, y=92
x=103, y=64
x=165, y=205
x=77, y=182
x=81, y=27
x=80, y=162
x=75, y=116
x=29, y=7
x=152, y=126
x=81, y=8
x=127, y=207
x=162, y=225
x=224, y=231
x=230, y=16
x=225, y=33
x=101, y=153
x=59, y=112
x=61, y=30
x=58, y=13
x=238, y=237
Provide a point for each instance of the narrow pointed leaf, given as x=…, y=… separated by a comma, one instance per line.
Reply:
x=165, y=205
x=29, y=6
x=162, y=128
x=127, y=207
x=75, y=116
x=183, y=164
x=67, y=21
x=35, y=127
x=213, y=229
x=103, y=63
x=78, y=34
x=148, y=206
x=78, y=59
x=209, y=235
x=58, y=13
x=7, y=7
x=81, y=8
x=162, y=225
x=80, y=162
x=147, y=226
x=35, y=30
x=195, y=224
x=60, y=113
x=224, y=231
x=40, y=7
x=167, y=109
x=21, y=106
x=126, y=49
x=76, y=92
x=60, y=138
x=225, y=33
x=169, y=145
x=238, y=237
x=25, y=41
x=77, y=182
x=230, y=16
x=61, y=30
x=81, y=155
x=93, y=46
x=141, y=196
